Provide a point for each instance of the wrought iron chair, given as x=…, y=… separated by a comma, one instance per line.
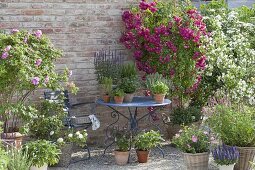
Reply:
x=72, y=121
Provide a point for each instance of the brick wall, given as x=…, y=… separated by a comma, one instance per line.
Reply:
x=79, y=28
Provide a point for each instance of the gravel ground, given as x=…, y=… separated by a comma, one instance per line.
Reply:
x=98, y=161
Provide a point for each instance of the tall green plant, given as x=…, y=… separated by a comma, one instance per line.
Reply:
x=19, y=160
x=107, y=85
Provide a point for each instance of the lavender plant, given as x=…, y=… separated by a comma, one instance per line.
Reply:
x=225, y=155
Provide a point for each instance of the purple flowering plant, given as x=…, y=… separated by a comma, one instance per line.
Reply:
x=27, y=64
x=167, y=38
x=192, y=140
x=225, y=155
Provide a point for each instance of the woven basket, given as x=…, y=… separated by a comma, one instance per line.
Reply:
x=198, y=161
x=246, y=156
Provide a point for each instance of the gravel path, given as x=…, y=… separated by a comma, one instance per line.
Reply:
x=172, y=161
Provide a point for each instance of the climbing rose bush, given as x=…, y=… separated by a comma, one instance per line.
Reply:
x=169, y=40
x=26, y=64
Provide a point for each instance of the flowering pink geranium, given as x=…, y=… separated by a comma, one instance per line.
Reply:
x=38, y=33
x=194, y=138
x=4, y=55
x=35, y=81
x=38, y=62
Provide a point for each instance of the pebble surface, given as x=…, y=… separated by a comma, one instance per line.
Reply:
x=172, y=161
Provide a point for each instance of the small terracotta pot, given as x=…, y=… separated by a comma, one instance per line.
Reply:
x=142, y=156
x=121, y=157
x=118, y=99
x=106, y=98
x=128, y=97
x=159, y=98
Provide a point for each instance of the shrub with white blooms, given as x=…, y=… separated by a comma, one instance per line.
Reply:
x=231, y=54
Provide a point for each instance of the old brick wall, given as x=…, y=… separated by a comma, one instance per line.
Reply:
x=79, y=28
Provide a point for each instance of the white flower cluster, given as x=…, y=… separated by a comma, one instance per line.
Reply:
x=231, y=54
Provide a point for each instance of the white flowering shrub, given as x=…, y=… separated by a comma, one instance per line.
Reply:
x=231, y=53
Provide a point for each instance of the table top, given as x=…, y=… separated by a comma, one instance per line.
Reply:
x=138, y=101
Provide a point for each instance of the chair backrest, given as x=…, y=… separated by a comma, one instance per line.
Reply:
x=54, y=95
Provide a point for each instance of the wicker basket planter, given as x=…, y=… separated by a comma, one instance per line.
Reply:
x=198, y=161
x=246, y=156
x=66, y=155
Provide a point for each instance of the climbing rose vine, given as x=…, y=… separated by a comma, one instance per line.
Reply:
x=169, y=40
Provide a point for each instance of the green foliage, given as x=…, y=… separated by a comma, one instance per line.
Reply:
x=41, y=152
x=192, y=140
x=186, y=116
x=19, y=160
x=147, y=140
x=107, y=85
x=160, y=88
x=128, y=71
x=129, y=85
x=4, y=159
x=123, y=141
x=49, y=120
x=235, y=128
x=152, y=79
x=118, y=92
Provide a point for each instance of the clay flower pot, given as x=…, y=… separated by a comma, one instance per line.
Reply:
x=118, y=99
x=128, y=97
x=159, y=98
x=106, y=98
x=121, y=157
x=142, y=156
x=197, y=161
x=14, y=139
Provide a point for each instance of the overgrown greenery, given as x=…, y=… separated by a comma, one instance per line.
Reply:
x=19, y=160
x=186, y=116
x=160, y=88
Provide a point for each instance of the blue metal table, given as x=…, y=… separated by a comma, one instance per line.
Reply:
x=133, y=120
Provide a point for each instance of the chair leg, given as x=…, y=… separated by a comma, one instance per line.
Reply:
x=89, y=156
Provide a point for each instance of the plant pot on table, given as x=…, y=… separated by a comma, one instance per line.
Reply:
x=121, y=157
x=44, y=167
x=142, y=156
x=246, y=156
x=197, y=161
x=129, y=97
x=106, y=98
x=118, y=99
x=14, y=138
x=159, y=98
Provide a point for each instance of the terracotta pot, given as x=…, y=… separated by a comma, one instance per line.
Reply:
x=246, y=156
x=121, y=157
x=128, y=97
x=142, y=156
x=66, y=155
x=14, y=139
x=198, y=161
x=44, y=167
x=226, y=167
x=118, y=99
x=159, y=98
x=106, y=98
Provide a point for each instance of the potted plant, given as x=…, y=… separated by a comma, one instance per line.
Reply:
x=19, y=159
x=65, y=144
x=107, y=88
x=118, y=96
x=225, y=156
x=42, y=153
x=129, y=86
x=123, y=146
x=194, y=143
x=159, y=90
x=235, y=127
x=180, y=116
x=144, y=142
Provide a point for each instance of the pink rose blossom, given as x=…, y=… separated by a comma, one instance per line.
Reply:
x=35, y=81
x=194, y=139
x=38, y=62
x=38, y=33
x=4, y=55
